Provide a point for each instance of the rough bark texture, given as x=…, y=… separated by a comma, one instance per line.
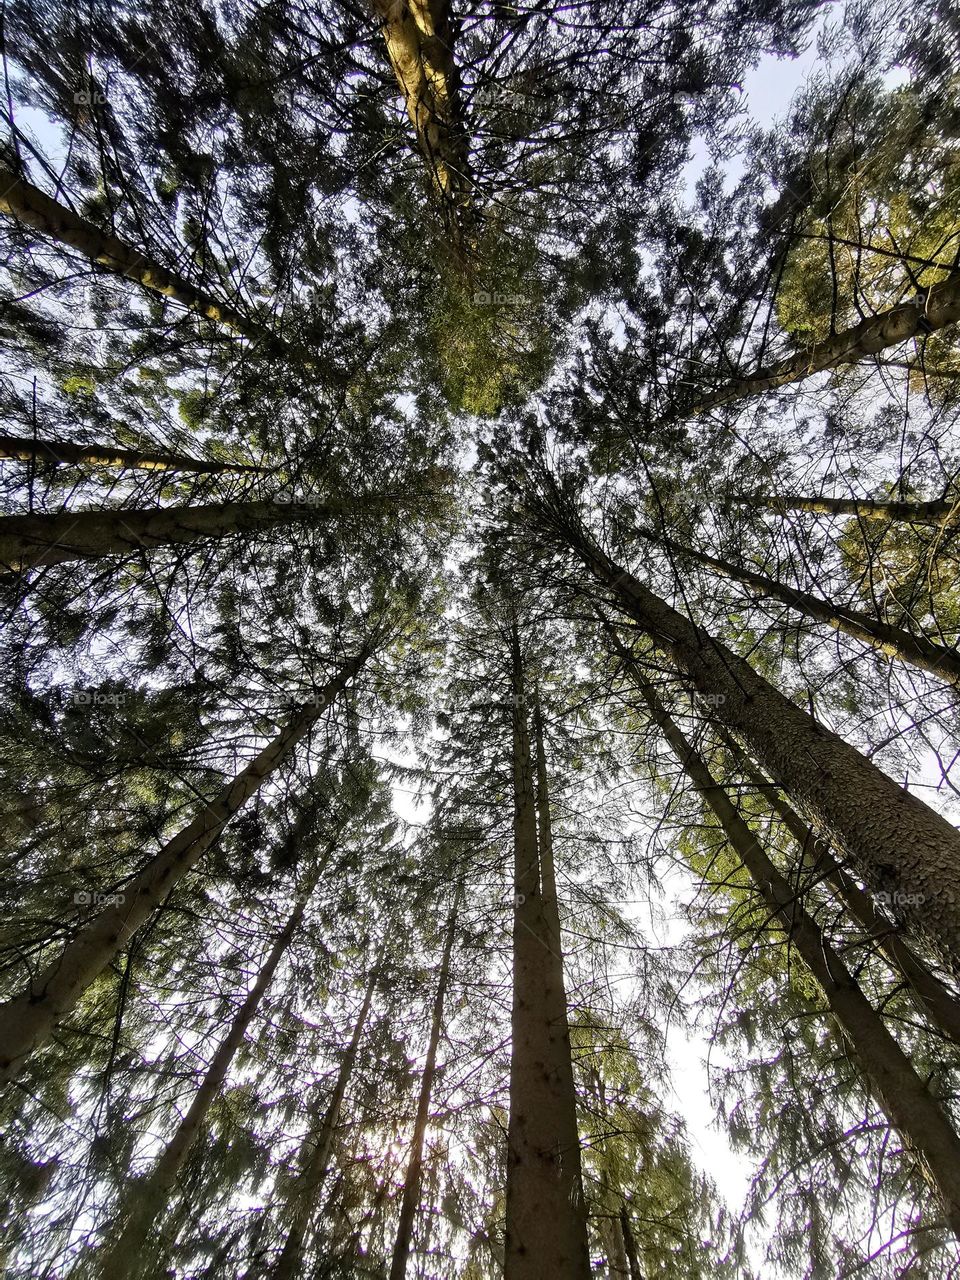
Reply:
x=419, y=40
x=896, y=843
x=28, y=1020
x=894, y=641
x=940, y=1005
x=26, y=203
x=940, y=513
x=316, y=1155
x=898, y=1089
x=26, y=449
x=940, y=307
x=546, y=1230
x=411, y=1182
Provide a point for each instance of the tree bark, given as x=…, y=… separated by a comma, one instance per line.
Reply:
x=942, y=512
x=26, y=203
x=630, y=1244
x=27, y=449
x=411, y=1182
x=548, y=873
x=939, y=1004
x=28, y=1020
x=896, y=843
x=889, y=328
x=419, y=40
x=910, y=1108
x=917, y=650
x=546, y=1230
x=317, y=1148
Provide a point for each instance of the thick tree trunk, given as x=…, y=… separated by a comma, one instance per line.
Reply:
x=940, y=1005
x=419, y=41
x=918, y=651
x=411, y=1182
x=27, y=1021
x=26, y=449
x=887, y=329
x=896, y=843
x=26, y=203
x=317, y=1148
x=546, y=1230
x=943, y=512
x=910, y=1108
x=548, y=872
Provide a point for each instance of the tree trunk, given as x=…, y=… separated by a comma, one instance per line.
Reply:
x=548, y=873
x=27, y=1021
x=419, y=39
x=28, y=204
x=895, y=842
x=908, y=1105
x=411, y=1183
x=939, y=1004
x=935, y=658
x=630, y=1244
x=898, y=324
x=546, y=1230
x=315, y=1161
x=943, y=512
x=26, y=449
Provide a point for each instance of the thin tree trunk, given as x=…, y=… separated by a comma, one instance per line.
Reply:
x=887, y=329
x=939, y=1004
x=896, y=843
x=918, y=651
x=316, y=1161
x=411, y=1182
x=27, y=449
x=909, y=1106
x=28, y=1020
x=630, y=1244
x=941, y=512
x=419, y=40
x=26, y=203
x=546, y=1229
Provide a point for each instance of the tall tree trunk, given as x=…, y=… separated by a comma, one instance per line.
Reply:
x=27, y=449
x=896, y=843
x=940, y=307
x=941, y=512
x=26, y=203
x=546, y=1229
x=630, y=1244
x=919, y=652
x=909, y=1106
x=28, y=1020
x=940, y=1005
x=411, y=1182
x=317, y=1148
x=548, y=872
x=420, y=42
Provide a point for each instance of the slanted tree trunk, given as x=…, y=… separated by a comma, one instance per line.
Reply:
x=546, y=1229
x=910, y=1108
x=420, y=45
x=316, y=1152
x=940, y=1005
x=896, y=843
x=942, y=512
x=28, y=1020
x=27, y=449
x=26, y=203
x=889, y=328
x=412, y=1180
x=630, y=1245
x=918, y=651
